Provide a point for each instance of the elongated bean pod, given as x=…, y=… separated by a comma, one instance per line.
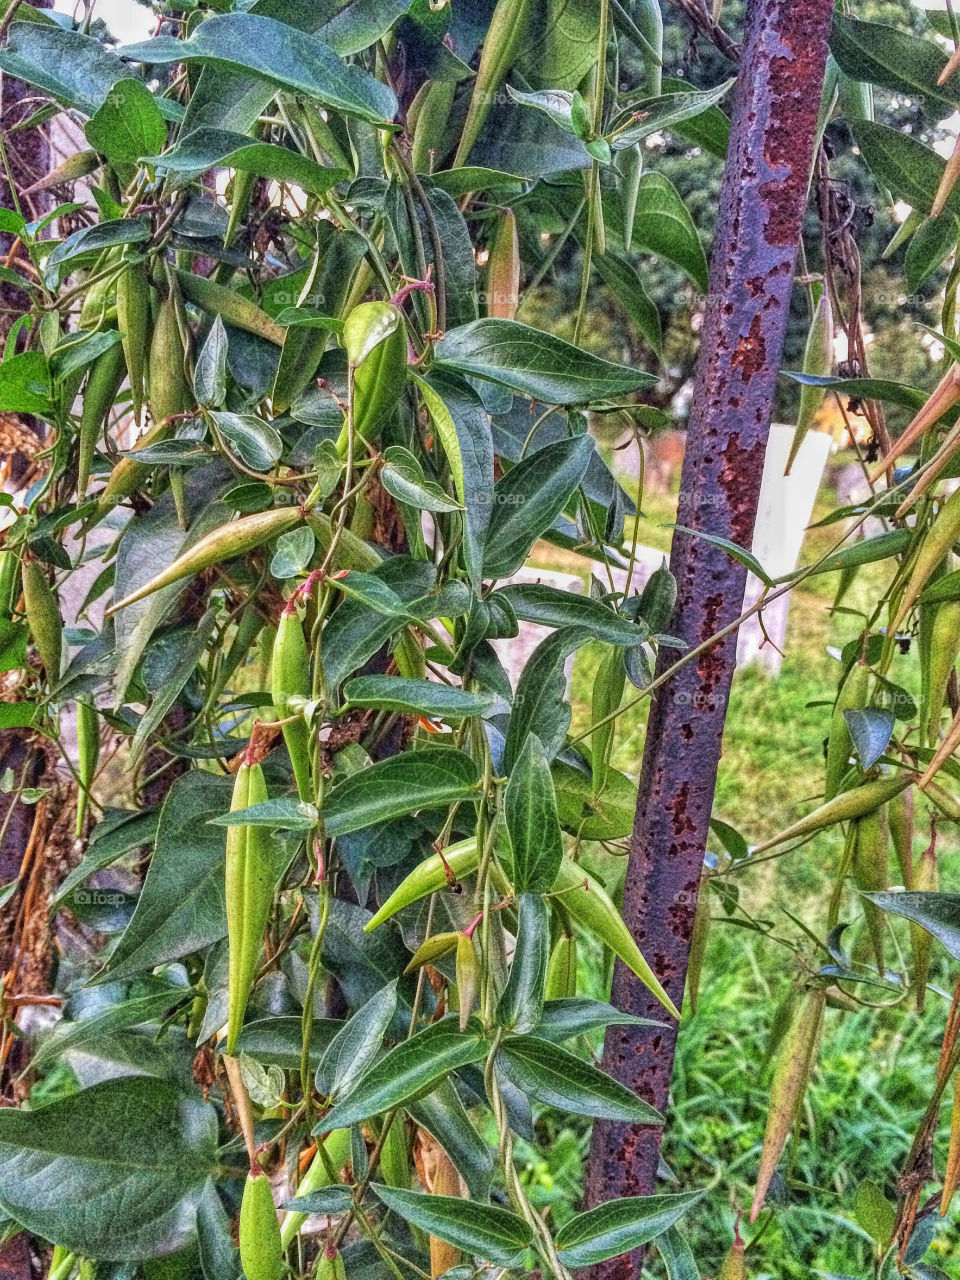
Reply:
x=842, y=808
x=261, y=1253
x=290, y=676
x=791, y=1074
x=944, y=648
x=375, y=340
x=336, y=1146
x=249, y=896
x=503, y=268
x=871, y=871
x=103, y=383
x=851, y=697
x=937, y=541
x=133, y=321
x=431, y=875
x=951, y=1176
x=170, y=392
x=817, y=359
x=900, y=817
x=562, y=969
x=43, y=616
x=506, y=33
x=926, y=880
x=88, y=755
x=432, y=124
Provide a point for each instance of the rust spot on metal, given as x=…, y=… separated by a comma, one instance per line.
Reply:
x=759, y=223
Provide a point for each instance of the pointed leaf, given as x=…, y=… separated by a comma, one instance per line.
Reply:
x=530, y=808
x=550, y=607
x=209, y=148
x=663, y=225
x=431, y=778
x=871, y=730
x=489, y=1232
x=539, y=704
x=415, y=697
x=210, y=375
x=619, y=1226
x=128, y=124
x=355, y=1046
x=554, y=1076
x=938, y=913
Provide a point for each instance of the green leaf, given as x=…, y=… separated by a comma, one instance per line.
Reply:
x=933, y=241
x=17, y=715
x=530, y=808
x=740, y=554
x=210, y=374
x=938, y=913
x=619, y=1226
x=182, y=906
x=528, y=499
x=887, y=56
x=75, y=354
x=13, y=644
x=576, y=1016
x=102, y=235
x=409, y=1071
x=555, y=103
x=880, y=547
x=945, y=588
x=208, y=148
x=128, y=124
x=676, y=1256
x=521, y=1001
x=294, y=551
x=608, y=815
x=328, y=1201
x=173, y=686
x=663, y=225
x=25, y=384
x=104, y=1019
x=415, y=697
x=535, y=363
x=552, y=1075
x=290, y=59
x=550, y=607
x=874, y=1213
x=355, y=1046
x=254, y=441
x=624, y=282
x=539, y=704
x=910, y=170
x=864, y=388
x=431, y=778
x=119, y=832
x=281, y=813
x=443, y=1116
x=278, y=1042
x=664, y=112
x=73, y=1170
x=871, y=730
x=491, y=1233
x=72, y=68
x=402, y=477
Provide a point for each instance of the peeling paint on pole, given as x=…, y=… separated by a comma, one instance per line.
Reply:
x=762, y=202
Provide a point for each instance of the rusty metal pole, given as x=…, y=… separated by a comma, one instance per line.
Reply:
x=762, y=203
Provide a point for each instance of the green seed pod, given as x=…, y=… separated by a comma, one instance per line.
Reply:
x=337, y=1148
x=434, y=949
x=330, y=1265
x=100, y=301
x=241, y=189
x=607, y=693
x=249, y=896
x=430, y=876
x=226, y=543
x=782, y=1021
x=944, y=801
x=375, y=341
x=290, y=675
x=791, y=1074
x=133, y=321
x=817, y=359
x=937, y=541
x=698, y=944
x=648, y=20
x=9, y=581
x=521, y=1003
x=103, y=383
x=842, y=808
x=944, y=649
x=658, y=599
x=871, y=872
x=900, y=819
x=562, y=969
x=506, y=33
x=951, y=1176
x=629, y=166
x=590, y=905
x=503, y=268
x=431, y=125
x=261, y=1253
x=88, y=755
x=852, y=696
x=394, y=1156
x=734, y=1264
x=926, y=880
x=43, y=616
x=170, y=392
x=468, y=977
x=232, y=307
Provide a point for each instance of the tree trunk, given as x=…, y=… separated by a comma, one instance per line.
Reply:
x=762, y=203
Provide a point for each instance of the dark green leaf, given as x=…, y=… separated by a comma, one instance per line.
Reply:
x=521, y=1002
x=864, y=388
x=356, y=1044
x=490, y=1232
x=528, y=499
x=677, y=1256
x=663, y=225
x=665, y=112
x=535, y=363
x=328, y=1201
x=530, y=808
x=443, y=1116
x=740, y=554
x=73, y=1169
x=887, y=56
x=934, y=241
x=128, y=124
x=576, y=1015
x=554, y=1076
x=282, y=813
x=415, y=780
x=938, y=913
x=871, y=731
x=208, y=148
x=76, y=354
x=254, y=441
x=210, y=374
x=402, y=477
x=278, y=1042
x=292, y=60
x=415, y=697
x=407, y=1072
x=624, y=282
x=909, y=169
x=619, y=1226
x=110, y=1017
x=173, y=685
x=539, y=704
x=25, y=384
x=182, y=907
x=880, y=547
x=94, y=239
x=550, y=607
